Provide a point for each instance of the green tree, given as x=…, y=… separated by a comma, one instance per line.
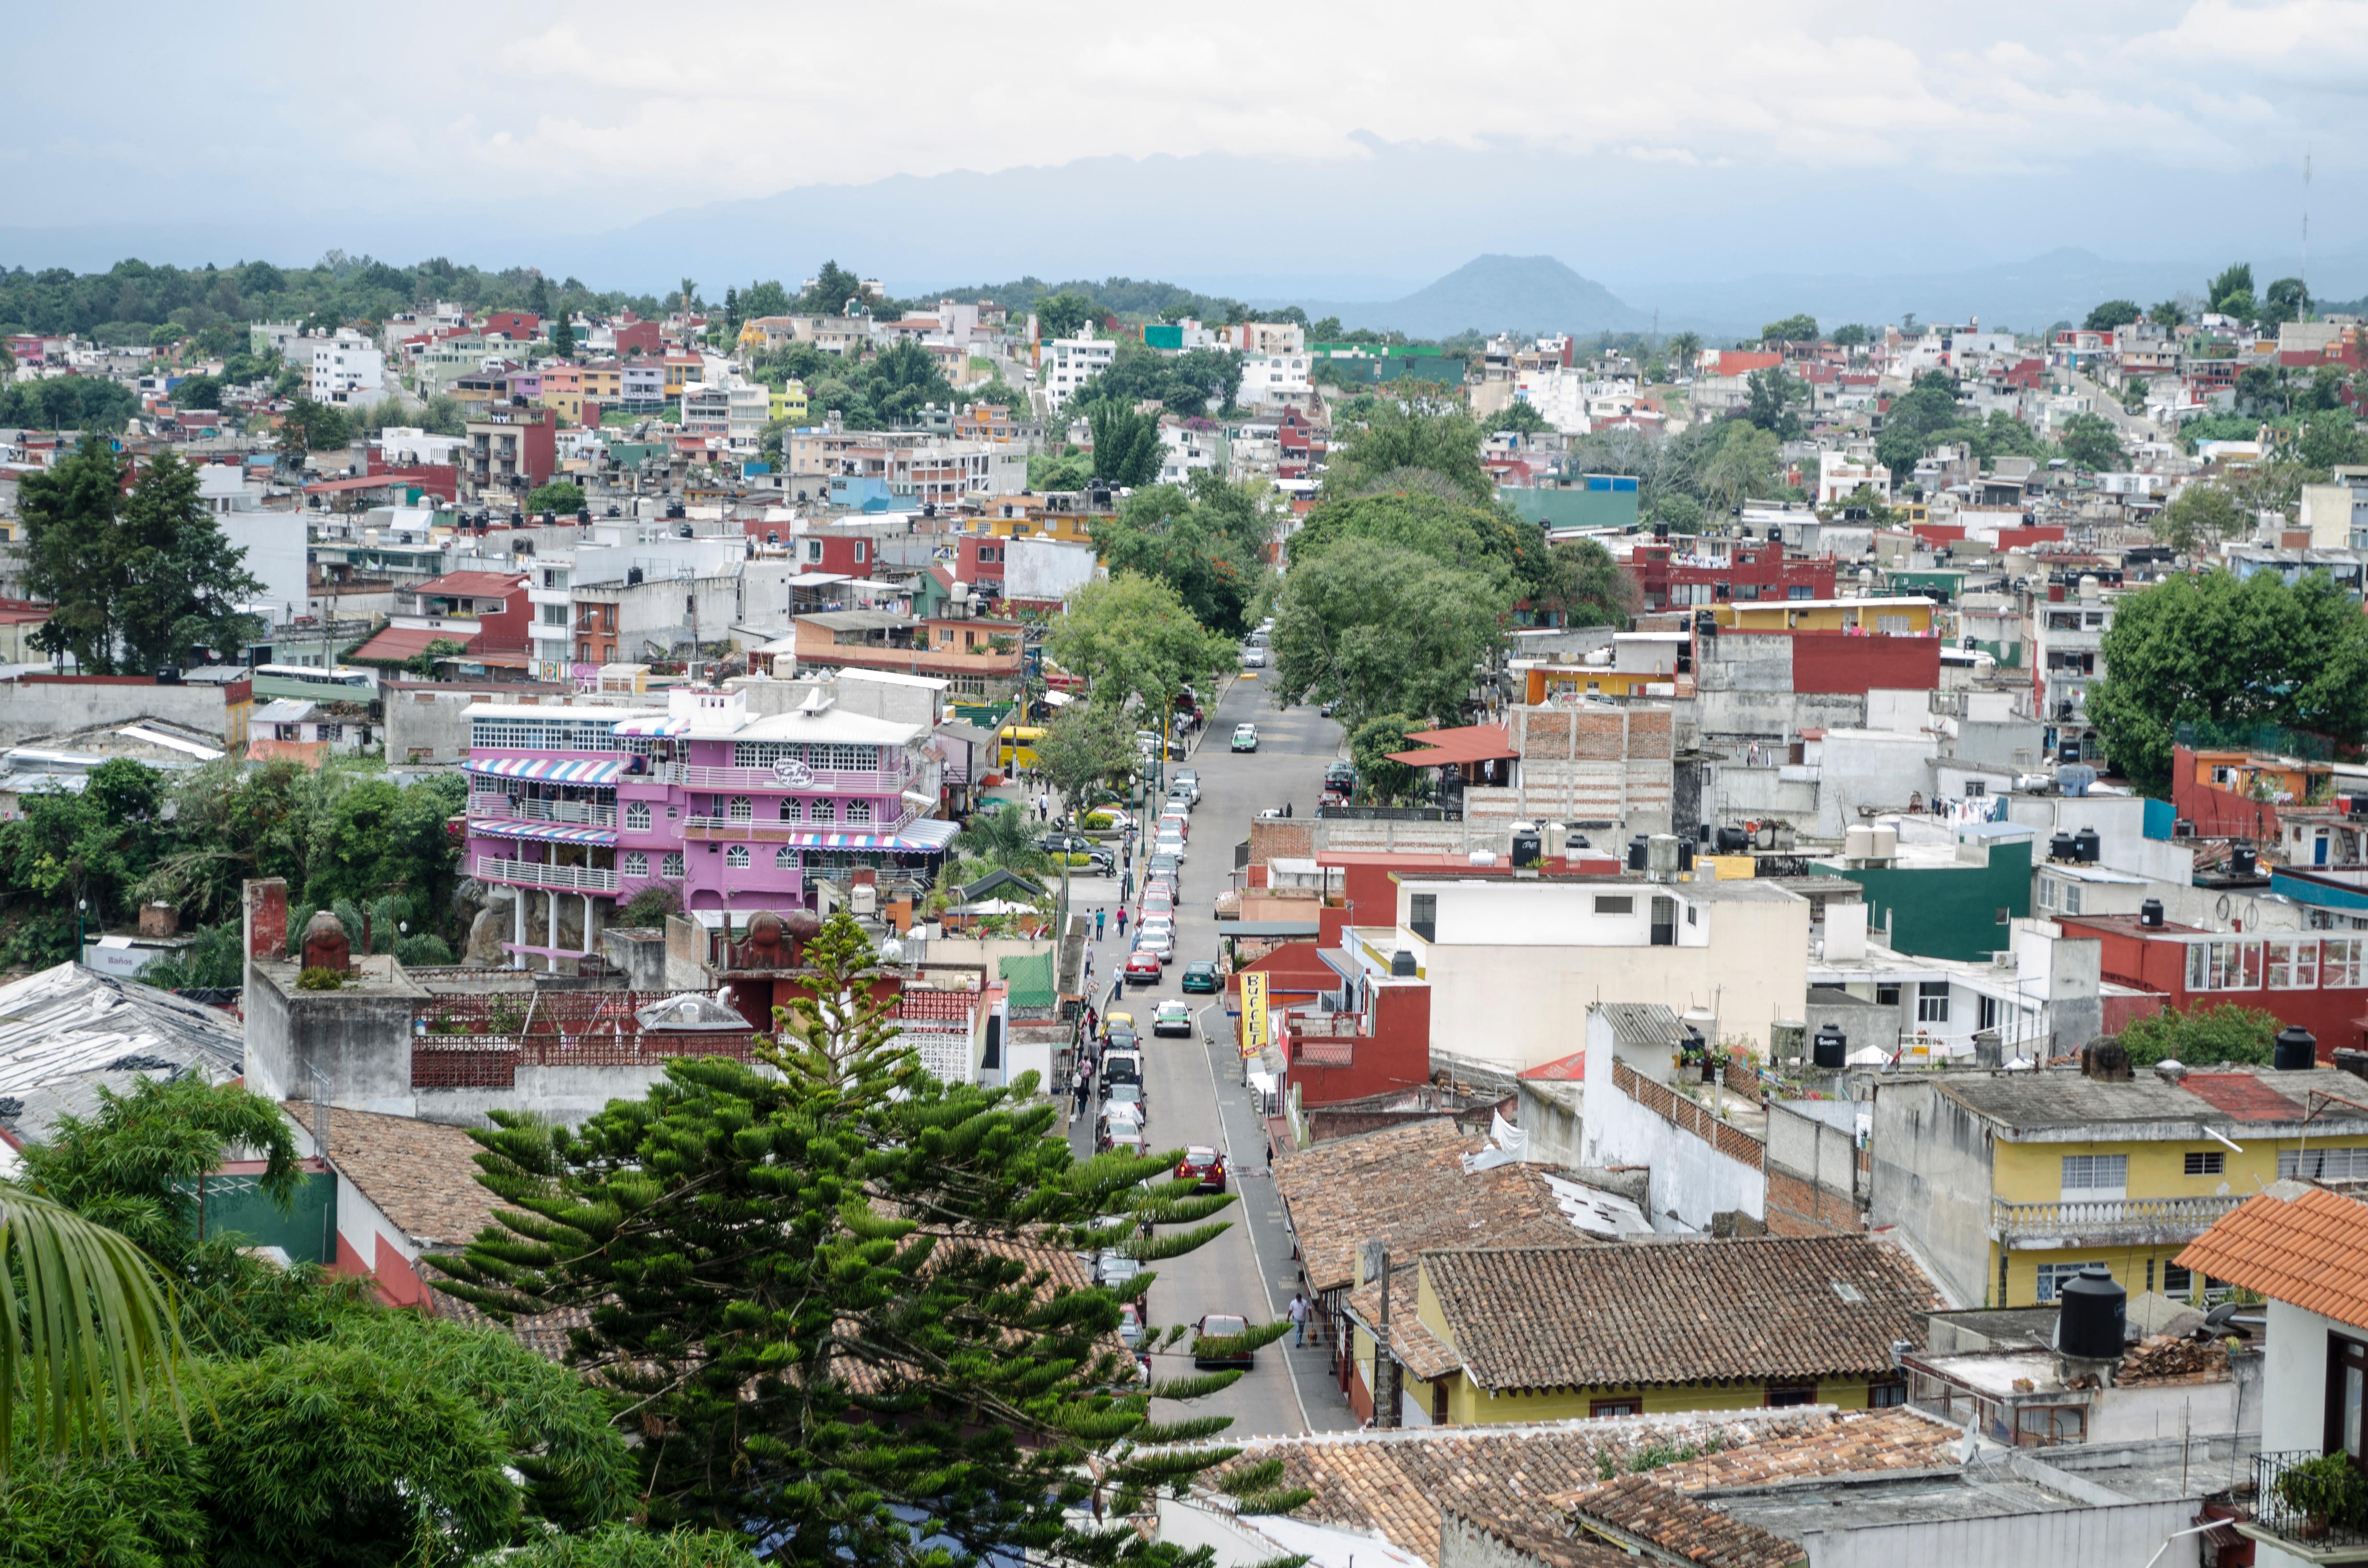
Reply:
x=2287, y=301
x=1768, y=401
x=1065, y=315
x=1590, y=588
x=1683, y=347
x=2231, y=293
x=1742, y=466
x=1206, y=540
x=2169, y=312
x=1001, y=837
x=1912, y=423
x=1521, y=417
x=563, y=338
x=215, y=959
x=826, y=1276
x=307, y=426
x=2209, y=648
x=1394, y=439
x=2326, y=439
x=1423, y=513
x=833, y=290
x=2110, y=314
x=1048, y=472
x=1791, y=329
x=2090, y=441
x=1382, y=628
x=1087, y=745
x=1133, y=638
x=2202, y=1037
x=766, y=299
x=439, y=651
x=1380, y=781
x=198, y=392
x=1852, y=336
x=1126, y=443
x=2199, y=518
x=559, y=495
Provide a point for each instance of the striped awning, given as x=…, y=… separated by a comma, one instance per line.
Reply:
x=552, y=768
x=658, y=724
x=914, y=837
x=550, y=831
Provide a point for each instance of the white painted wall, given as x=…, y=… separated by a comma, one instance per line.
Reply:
x=1690, y=1181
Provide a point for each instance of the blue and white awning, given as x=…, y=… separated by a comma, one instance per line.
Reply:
x=548, y=832
x=657, y=725
x=925, y=836
x=552, y=770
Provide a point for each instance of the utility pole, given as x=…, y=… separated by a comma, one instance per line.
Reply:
x=1386, y=1364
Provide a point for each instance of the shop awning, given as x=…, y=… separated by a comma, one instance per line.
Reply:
x=658, y=724
x=929, y=834
x=552, y=770
x=550, y=832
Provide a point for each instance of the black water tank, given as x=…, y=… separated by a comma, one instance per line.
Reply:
x=2296, y=1050
x=1831, y=1050
x=1734, y=841
x=2087, y=846
x=1636, y=851
x=2059, y=848
x=1685, y=854
x=2090, y=1322
x=2150, y=912
x=2242, y=860
x=1402, y=963
x=1527, y=847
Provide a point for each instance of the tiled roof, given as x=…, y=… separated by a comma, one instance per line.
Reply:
x=2242, y=1095
x=1505, y=1478
x=395, y=644
x=422, y=1174
x=1640, y=1509
x=1640, y=1313
x=2300, y=1244
x=472, y=585
x=1407, y=1187
x=1859, y=1445
x=1418, y=1349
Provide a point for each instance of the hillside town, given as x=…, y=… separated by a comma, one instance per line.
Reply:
x=1777, y=969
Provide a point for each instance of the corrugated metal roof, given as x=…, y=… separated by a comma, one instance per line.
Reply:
x=67, y=1031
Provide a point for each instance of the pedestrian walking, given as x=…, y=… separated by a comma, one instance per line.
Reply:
x=1298, y=1312
x=1101, y=919
x=1043, y=808
x=1121, y=923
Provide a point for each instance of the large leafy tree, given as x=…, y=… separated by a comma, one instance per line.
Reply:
x=2112, y=314
x=1769, y=397
x=1133, y=639
x=836, y=1287
x=182, y=581
x=2199, y=518
x=1126, y=442
x=1087, y=745
x=1913, y=422
x=1382, y=628
x=2211, y=649
x=1589, y=587
x=1429, y=514
x=1206, y=539
x=1800, y=328
x=1394, y=439
x=1381, y=781
x=2090, y=441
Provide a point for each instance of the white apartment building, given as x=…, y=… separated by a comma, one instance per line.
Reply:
x=1275, y=378
x=748, y=410
x=1269, y=337
x=1184, y=450
x=706, y=409
x=346, y=368
x=1070, y=362
x=1839, y=474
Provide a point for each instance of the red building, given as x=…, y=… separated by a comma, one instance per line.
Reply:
x=1670, y=578
x=512, y=447
x=2317, y=980
x=524, y=325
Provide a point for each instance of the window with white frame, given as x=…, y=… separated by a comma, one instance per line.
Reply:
x=635, y=863
x=2054, y=1277
x=792, y=809
x=2224, y=966
x=2095, y=1176
x=2293, y=963
x=2047, y=892
x=743, y=808
x=859, y=811
x=735, y=859
x=2323, y=1165
x=2339, y=962
x=1931, y=1001
x=672, y=866
x=826, y=811
x=637, y=817
x=785, y=858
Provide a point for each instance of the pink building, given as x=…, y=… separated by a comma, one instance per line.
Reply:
x=578, y=808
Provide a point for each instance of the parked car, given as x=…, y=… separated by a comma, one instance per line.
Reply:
x=1180, y=822
x=1200, y=975
x=1123, y=1112
x=1113, y=1267
x=1129, y=1324
x=1117, y=1138
x=1186, y=778
x=1246, y=737
x=1253, y=658
x=1116, y=1020
x=1141, y=968
x=1173, y=1018
x=1204, y=1167
x=1124, y=1039
x=1217, y=1342
x=1126, y=1095
x=1156, y=939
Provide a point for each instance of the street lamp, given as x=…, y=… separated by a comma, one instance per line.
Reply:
x=81, y=907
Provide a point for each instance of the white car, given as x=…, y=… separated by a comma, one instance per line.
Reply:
x=1157, y=939
x=1253, y=658
x=1169, y=844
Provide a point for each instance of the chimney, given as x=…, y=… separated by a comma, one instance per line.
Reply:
x=159, y=919
x=265, y=918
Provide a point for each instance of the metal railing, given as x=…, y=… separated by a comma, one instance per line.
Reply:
x=773, y=830
x=2108, y=1217
x=587, y=813
x=2316, y=1525
x=698, y=775
x=535, y=873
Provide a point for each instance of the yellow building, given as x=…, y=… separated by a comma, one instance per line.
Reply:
x=2007, y=1183
x=1498, y=1335
x=1906, y=616
x=680, y=368
x=790, y=401
x=603, y=383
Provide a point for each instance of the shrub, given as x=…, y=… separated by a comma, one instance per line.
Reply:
x=1098, y=822
x=2203, y=1036
x=321, y=979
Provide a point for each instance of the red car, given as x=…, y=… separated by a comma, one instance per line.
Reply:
x=1141, y=968
x=1204, y=1167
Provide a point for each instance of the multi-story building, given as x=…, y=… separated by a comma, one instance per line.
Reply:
x=1709, y=570
x=736, y=814
x=706, y=410
x=1070, y=362
x=511, y=447
x=642, y=386
x=2007, y=1184
x=2067, y=661
x=345, y=369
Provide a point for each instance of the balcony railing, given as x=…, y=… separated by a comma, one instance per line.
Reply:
x=2315, y=1532
x=696, y=776
x=2102, y=1218
x=773, y=830
x=537, y=874
x=587, y=813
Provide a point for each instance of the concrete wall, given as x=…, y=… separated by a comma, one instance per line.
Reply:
x=1880, y=769
x=1551, y=1117
x=2125, y=1532
x=1741, y=793
x=32, y=707
x=1932, y=1178
x=1045, y=569
x=2120, y=822
x=359, y=1038
x=1814, y=1184
x=569, y=1094
x=1692, y=1180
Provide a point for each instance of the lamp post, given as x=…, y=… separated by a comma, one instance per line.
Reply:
x=81, y=907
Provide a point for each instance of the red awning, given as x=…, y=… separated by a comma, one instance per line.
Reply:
x=1473, y=743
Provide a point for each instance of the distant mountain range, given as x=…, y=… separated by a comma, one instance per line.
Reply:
x=1493, y=293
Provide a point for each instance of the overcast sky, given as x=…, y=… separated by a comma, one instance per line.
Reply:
x=2009, y=126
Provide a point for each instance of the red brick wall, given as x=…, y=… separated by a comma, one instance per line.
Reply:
x=1796, y=1208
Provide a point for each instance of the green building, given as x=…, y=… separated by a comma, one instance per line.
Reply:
x=1951, y=909
x=1596, y=500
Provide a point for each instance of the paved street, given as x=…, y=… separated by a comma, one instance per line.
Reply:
x=1195, y=1089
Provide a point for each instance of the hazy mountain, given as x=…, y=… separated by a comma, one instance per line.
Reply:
x=1493, y=293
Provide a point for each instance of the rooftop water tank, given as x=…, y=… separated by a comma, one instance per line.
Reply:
x=2090, y=1322
x=2296, y=1050
x=2087, y=846
x=1830, y=1049
x=2150, y=912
